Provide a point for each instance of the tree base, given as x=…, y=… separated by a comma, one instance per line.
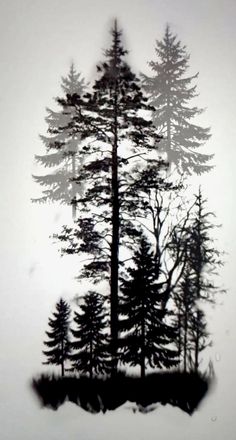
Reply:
x=184, y=390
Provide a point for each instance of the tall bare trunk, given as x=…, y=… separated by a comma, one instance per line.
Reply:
x=185, y=339
x=62, y=362
x=196, y=363
x=143, y=343
x=73, y=187
x=115, y=235
x=91, y=360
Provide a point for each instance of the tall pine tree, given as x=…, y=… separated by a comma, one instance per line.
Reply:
x=171, y=92
x=123, y=137
x=58, y=337
x=62, y=156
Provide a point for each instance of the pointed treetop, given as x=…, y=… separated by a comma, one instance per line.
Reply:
x=167, y=31
x=73, y=82
x=115, y=32
x=116, y=51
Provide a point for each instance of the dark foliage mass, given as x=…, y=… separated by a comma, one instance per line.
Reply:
x=147, y=335
x=122, y=152
x=184, y=390
x=58, y=337
x=90, y=343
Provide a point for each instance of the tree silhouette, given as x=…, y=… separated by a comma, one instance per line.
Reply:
x=202, y=260
x=122, y=137
x=171, y=93
x=185, y=305
x=147, y=334
x=134, y=229
x=163, y=212
x=58, y=340
x=90, y=343
x=62, y=145
x=199, y=337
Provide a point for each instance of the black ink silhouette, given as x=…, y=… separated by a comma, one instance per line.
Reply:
x=58, y=340
x=171, y=93
x=161, y=211
x=123, y=137
x=148, y=336
x=201, y=262
x=126, y=200
x=90, y=341
x=184, y=390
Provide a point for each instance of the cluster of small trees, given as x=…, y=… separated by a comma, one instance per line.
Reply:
x=161, y=324
x=131, y=219
x=85, y=345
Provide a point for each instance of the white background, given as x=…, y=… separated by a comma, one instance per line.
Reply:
x=38, y=41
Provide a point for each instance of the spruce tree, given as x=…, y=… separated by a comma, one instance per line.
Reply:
x=90, y=341
x=171, y=92
x=123, y=137
x=147, y=334
x=62, y=157
x=58, y=336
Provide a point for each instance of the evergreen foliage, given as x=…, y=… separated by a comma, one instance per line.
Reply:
x=147, y=334
x=171, y=92
x=103, y=159
x=62, y=157
x=114, y=118
x=90, y=340
x=58, y=338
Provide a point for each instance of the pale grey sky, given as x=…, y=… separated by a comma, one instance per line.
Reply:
x=38, y=40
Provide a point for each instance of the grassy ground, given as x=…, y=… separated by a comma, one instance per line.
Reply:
x=184, y=390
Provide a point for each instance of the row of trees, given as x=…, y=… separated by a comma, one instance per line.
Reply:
x=133, y=223
x=151, y=333
x=88, y=351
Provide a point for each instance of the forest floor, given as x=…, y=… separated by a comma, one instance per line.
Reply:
x=184, y=390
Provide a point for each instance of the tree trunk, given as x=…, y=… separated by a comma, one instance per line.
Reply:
x=185, y=339
x=179, y=338
x=73, y=188
x=142, y=363
x=91, y=361
x=143, y=368
x=62, y=369
x=115, y=239
x=62, y=362
x=143, y=342
x=198, y=284
x=196, y=363
x=168, y=123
